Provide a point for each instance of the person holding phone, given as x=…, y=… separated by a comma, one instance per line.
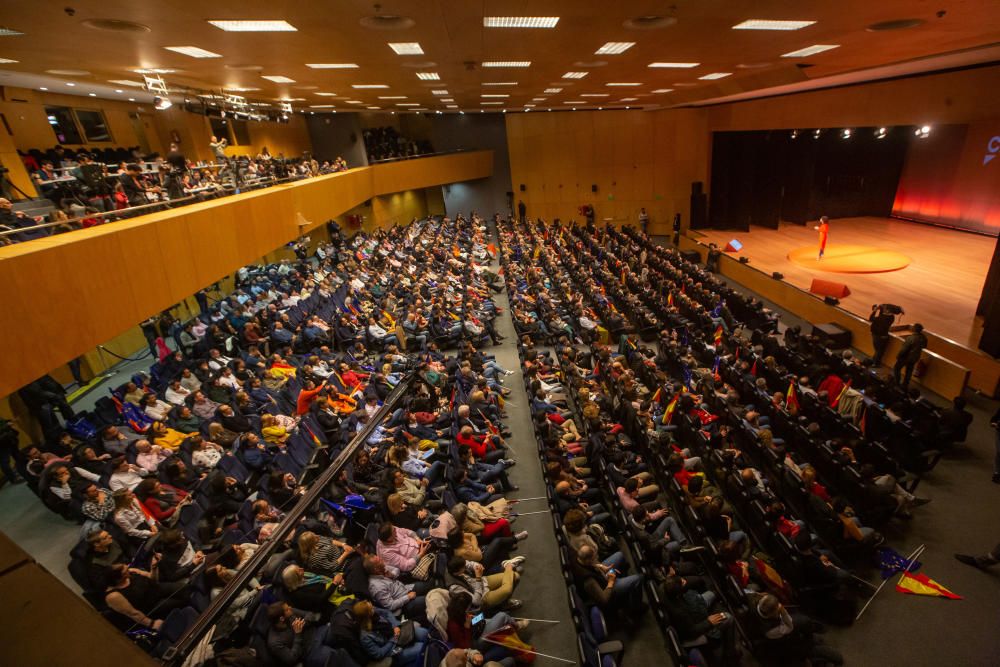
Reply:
x=467, y=629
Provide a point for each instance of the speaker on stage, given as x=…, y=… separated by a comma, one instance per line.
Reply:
x=829, y=288
x=733, y=246
x=831, y=300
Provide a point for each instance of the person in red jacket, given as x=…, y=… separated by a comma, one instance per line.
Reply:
x=484, y=447
x=306, y=396
x=161, y=501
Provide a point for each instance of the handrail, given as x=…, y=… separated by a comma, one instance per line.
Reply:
x=175, y=655
x=403, y=158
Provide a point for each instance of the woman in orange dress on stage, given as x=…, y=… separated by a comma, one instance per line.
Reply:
x=824, y=231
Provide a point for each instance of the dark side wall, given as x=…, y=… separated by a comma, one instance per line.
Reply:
x=337, y=135
x=475, y=131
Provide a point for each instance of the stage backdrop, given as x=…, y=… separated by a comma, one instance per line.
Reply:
x=952, y=177
x=761, y=177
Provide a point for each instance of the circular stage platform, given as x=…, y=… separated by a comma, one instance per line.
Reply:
x=849, y=259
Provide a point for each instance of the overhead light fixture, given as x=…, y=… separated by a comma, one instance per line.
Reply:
x=845, y=133
x=452, y=106
x=70, y=84
x=715, y=75
x=240, y=89
x=594, y=95
x=9, y=32
x=92, y=94
x=552, y=91
x=373, y=108
x=332, y=65
x=499, y=83
x=881, y=133
x=923, y=131
x=490, y=103
x=355, y=102
x=392, y=97
x=193, y=51
x=628, y=99
x=661, y=65
x=538, y=99
x=42, y=88
x=794, y=134
x=407, y=104
x=817, y=133
x=406, y=48
x=119, y=90
x=493, y=95
x=368, y=85
x=614, y=48
x=131, y=99
x=621, y=85
x=127, y=82
x=440, y=92
x=161, y=103
x=325, y=94
x=575, y=75
x=520, y=21
x=428, y=76
x=768, y=24
x=277, y=78
x=663, y=90
x=506, y=63
x=154, y=70
x=7, y=61
x=529, y=106
x=253, y=26
x=810, y=50
x=447, y=99
x=576, y=102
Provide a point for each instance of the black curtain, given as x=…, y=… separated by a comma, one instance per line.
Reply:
x=759, y=178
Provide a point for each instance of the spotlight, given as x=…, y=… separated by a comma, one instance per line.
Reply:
x=845, y=133
x=161, y=103
x=816, y=133
x=881, y=133
x=794, y=134
x=922, y=132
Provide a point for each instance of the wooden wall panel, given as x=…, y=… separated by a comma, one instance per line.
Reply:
x=91, y=287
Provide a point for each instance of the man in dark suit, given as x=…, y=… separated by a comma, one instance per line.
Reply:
x=881, y=322
x=909, y=354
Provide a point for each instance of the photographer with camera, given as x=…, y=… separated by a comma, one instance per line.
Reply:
x=882, y=318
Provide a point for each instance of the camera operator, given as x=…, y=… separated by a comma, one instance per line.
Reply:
x=882, y=318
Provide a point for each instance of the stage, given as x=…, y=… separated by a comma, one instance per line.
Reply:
x=935, y=274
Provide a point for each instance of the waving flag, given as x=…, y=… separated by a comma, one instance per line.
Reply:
x=657, y=395
x=668, y=412
x=718, y=335
x=670, y=298
x=891, y=561
x=792, y=398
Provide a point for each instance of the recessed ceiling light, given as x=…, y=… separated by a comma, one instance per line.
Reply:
x=575, y=75
x=290, y=99
x=127, y=82
x=392, y=97
x=715, y=75
x=119, y=90
x=493, y=95
x=440, y=92
x=618, y=84
x=368, y=85
x=131, y=99
x=92, y=94
x=277, y=78
x=447, y=99
x=153, y=70
x=594, y=95
x=628, y=99
x=674, y=65
x=538, y=99
x=240, y=89
x=520, y=21
x=552, y=91
x=490, y=103
x=9, y=32
x=406, y=48
x=576, y=102
x=428, y=76
x=7, y=61
x=42, y=88
x=529, y=106
x=305, y=87
x=663, y=90
x=500, y=83
x=810, y=50
x=407, y=104
x=326, y=94
x=355, y=102
x=68, y=72
x=374, y=108
x=506, y=63
x=253, y=26
x=452, y=106
x=193, y=51
x=70, y=84
x=768, y=24
x=245, y=68
x=614, y=48
x=332, y=65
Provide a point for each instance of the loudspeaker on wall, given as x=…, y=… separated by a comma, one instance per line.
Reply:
x=523, y=187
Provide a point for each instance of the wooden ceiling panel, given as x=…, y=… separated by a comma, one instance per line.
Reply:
x=453, y=38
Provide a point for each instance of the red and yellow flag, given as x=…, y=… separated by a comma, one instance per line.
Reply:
x=792, y=398
x=670, y=298
x=718, y=335
x=668, y=412
x=920, y=584
x=657, y=395
x=843, y=392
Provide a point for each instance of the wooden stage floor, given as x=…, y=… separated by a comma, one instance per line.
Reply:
x=939, y=288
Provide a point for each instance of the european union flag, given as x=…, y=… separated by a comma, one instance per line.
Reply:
x=891, y=561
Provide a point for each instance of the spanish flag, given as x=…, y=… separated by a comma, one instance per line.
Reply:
x=657, y=395
x=842, y=393
x=919, y=584
x=792, y=399
x=670, y=298
x=668, y=412
x=718, y=335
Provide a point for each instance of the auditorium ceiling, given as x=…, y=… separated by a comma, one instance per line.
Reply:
x=597, y=54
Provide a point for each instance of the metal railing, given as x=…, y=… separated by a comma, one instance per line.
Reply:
x=189, y=640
